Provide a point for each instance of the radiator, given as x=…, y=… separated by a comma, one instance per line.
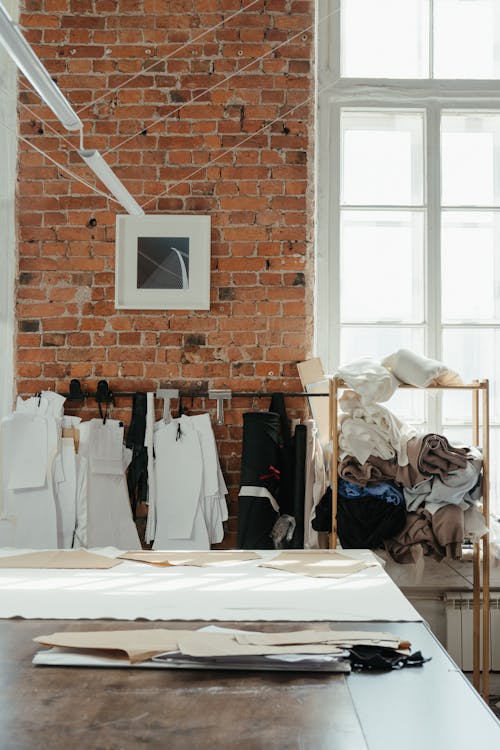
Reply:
x=459, y=609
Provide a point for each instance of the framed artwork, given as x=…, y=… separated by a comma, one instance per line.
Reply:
x=162, y=262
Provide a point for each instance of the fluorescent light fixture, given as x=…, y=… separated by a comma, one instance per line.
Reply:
x=94, y=160
x=26, y=60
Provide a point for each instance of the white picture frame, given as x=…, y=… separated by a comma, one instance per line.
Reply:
x=162, y=262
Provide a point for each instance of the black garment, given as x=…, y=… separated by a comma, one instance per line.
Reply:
x=259, y=468
x=299, y=485
x=383, y=659
x=362, y=522
x=137, y=475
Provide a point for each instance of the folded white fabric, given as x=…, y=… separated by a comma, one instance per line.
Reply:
x=420, y=371
x=371, y=430
x=369, y=379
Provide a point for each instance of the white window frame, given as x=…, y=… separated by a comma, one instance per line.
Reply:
x=8, y=259
x=334, y=93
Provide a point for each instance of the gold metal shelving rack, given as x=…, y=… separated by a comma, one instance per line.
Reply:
x=481, y=550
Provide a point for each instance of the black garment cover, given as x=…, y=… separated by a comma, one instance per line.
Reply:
x=137, y=475
x=362, y=522
x=259, y=468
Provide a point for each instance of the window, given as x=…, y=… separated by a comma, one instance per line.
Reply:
x=408, y=200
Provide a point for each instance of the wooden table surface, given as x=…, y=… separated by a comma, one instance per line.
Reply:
x=54, y=708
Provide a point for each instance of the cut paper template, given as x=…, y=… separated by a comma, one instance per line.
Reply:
x=197, y=559
x=317, y=563
x=62, y=559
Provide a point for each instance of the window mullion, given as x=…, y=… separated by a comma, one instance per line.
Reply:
x=433, y=251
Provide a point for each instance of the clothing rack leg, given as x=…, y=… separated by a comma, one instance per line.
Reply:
x=333, y=390
x=486, y=544
x=476, y=571
x=476, y=617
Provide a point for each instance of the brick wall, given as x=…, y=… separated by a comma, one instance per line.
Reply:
x=258, y=197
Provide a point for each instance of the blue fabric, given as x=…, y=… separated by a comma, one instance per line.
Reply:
x=385, y=491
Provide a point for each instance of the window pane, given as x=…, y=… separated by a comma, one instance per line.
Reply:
x=474, y=354
x=385, y=39
x=382, y=158
x=470, y=240
x=466, y=38
x=470, y=159
x=381, y=266
x=378, y=342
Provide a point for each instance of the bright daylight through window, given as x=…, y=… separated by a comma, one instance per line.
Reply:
x=408, y=209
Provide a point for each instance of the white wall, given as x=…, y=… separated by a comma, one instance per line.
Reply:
x=8, y=158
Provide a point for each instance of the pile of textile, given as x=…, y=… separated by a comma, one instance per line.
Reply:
x=410, y=493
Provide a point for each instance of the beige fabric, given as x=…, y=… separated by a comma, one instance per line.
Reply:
x=219, y=644
x=64, y=559
x=337, y=637
x=197, y=559
x=137, y=644
x=317, y=563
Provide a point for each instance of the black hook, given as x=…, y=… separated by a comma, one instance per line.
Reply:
x=75, y=391
x=103, y=393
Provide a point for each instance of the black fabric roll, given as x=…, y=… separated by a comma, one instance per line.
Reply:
x=259, y=468
x=137, y=474
x=286, y=455
x=299, y=485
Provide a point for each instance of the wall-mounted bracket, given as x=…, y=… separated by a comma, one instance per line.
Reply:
x=167, y=394
x=220, y=395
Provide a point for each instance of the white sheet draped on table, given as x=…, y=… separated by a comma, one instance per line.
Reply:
x=242, y=591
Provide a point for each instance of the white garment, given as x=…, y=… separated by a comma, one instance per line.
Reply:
x=188, y=485
x=81, y=470
x=109, y=517
x=420, y=371
x=65, y=496
x=315, y=483
x=28, y=435
x=47, y=403
x=29, y=513
x=178, y=481
x=371, y=430
x=369, y=379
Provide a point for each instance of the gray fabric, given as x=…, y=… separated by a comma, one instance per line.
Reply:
x=460, y=487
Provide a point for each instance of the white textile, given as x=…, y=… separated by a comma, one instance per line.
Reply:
x=29, y=514
x=369, y=379
x=243, y=591
x=188, y=487
x=315, y=483
x=371, y=430
x=420, y=371
x=109, y=517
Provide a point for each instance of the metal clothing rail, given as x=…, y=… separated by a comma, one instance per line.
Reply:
x=480, y=437
x=105, y=395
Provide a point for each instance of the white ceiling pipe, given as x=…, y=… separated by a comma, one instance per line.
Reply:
x=26, y=60
x=103, y=171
